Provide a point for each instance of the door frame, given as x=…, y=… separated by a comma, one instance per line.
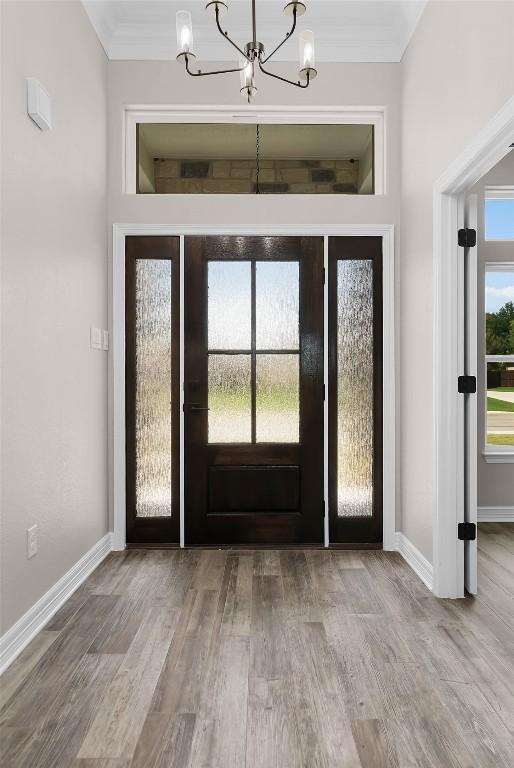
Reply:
x=117, y=497
x=449, y=444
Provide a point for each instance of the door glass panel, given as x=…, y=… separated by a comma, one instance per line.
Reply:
x=355, y=388
x=153, y=388
x=277, y=398
x=229, y=307
x=276, y=303
x=230, y=399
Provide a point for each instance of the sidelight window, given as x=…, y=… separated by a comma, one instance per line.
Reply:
x=355, y=388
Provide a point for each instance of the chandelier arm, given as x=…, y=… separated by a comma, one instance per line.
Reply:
x=286, y=38
x=284, y=79
x=226, y=37
x=215, y=72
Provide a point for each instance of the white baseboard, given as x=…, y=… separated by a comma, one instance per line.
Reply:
x=21, y=633
x=495, y=514
x=415, y=559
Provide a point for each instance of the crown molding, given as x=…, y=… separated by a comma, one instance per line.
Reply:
x=146, y=31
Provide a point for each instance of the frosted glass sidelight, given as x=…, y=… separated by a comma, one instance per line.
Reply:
x=153, y=388
x=229, y=305
x=230, y=401
x=276, y=304
x=354, y=388
x=277, y=398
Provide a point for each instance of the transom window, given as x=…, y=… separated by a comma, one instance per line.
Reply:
x=250, y=158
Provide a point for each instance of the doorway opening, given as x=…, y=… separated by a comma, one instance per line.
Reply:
x=255, y=399
x=490, y=412
x=455, y=459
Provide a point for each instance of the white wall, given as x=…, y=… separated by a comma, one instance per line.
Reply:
x=54, y=287
x=166, y=83
x=495, y=481
x=457, y=72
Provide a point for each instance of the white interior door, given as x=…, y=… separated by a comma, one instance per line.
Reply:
x=470, y=406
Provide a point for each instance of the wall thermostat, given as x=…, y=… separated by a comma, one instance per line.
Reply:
x=38, y=104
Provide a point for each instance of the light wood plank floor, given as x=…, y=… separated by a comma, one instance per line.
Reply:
x=269, y=659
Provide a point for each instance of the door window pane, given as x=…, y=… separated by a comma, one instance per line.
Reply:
x=153, y=388
x=355, y=388
x=276, y=300
x=500, y=404
x=229, y=305
x=277, y=398
x=230, y=419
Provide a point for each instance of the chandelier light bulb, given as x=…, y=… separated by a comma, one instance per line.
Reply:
x=247, y=76
x=184, y=32
x=306, y=41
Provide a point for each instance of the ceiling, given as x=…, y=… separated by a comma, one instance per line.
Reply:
x=346, y=31
x=176, y=140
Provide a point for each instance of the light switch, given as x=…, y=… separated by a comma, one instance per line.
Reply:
x=38, y=104
x=96, y=338
x=105, y=340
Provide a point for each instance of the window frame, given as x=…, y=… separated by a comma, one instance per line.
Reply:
x=495, y=453
x=136, y=114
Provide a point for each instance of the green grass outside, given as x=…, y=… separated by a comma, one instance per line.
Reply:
x=499, y=405
x=275, y=399
x=500, y=439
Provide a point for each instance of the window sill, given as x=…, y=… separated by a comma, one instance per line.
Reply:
x=498, y=457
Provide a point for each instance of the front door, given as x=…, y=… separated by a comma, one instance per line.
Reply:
x=253, y=399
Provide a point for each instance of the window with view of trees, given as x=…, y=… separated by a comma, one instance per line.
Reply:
x=499, y=360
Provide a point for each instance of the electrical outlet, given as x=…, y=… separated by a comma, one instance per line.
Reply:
x=32, y=541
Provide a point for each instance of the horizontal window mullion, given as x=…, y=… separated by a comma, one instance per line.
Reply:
x=499, y=358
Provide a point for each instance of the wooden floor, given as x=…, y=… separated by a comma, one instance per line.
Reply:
x=290, y=659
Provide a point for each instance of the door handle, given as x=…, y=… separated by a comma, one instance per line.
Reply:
x=196, y=407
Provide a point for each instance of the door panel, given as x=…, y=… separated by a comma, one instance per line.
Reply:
x=152, y=389
x=355, y=389
x=253, y=390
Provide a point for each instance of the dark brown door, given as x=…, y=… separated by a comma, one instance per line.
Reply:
x=152, y=389
x=253, y=390
x=355, y=390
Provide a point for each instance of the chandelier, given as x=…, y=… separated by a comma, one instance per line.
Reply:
x=253, y=54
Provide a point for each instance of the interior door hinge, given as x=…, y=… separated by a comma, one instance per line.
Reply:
x=467, y=385
x=467, y=531
x=467, y=238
